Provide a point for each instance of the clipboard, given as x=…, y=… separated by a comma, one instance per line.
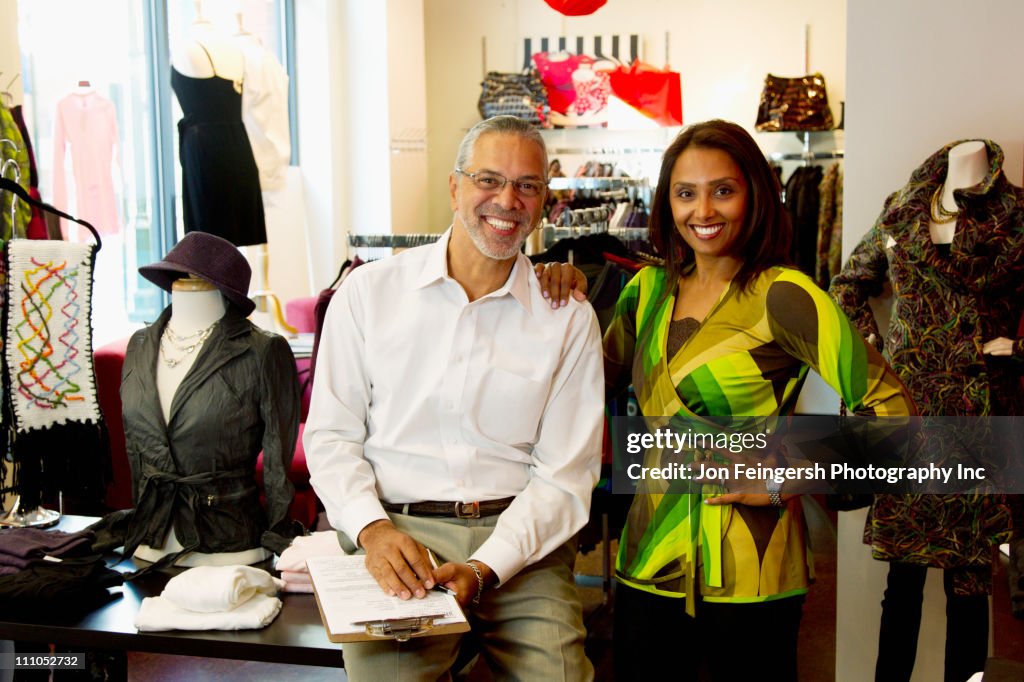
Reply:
x=353, y=608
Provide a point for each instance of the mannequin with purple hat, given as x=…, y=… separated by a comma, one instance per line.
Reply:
x=204, y=391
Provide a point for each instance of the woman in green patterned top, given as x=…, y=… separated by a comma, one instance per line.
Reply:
x=724, y=329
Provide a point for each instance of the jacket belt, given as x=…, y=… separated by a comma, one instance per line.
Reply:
x=459, y=510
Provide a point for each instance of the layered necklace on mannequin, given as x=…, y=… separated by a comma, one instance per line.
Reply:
x=939, y=213
x=197, y=308
x=174, y=348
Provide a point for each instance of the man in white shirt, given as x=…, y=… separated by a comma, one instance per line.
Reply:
x=457, y=409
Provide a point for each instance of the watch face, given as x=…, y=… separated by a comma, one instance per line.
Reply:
x=773, y=485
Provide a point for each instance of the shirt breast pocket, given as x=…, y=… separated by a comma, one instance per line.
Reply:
x=509, y=406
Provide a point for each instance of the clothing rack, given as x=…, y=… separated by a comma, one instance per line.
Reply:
x=391, y=241
x=806, y=155
x=563, y=183
x=604, y=151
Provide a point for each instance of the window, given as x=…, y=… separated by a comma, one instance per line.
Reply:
x=97, y=85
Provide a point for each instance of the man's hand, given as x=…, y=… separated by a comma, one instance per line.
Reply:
x=461, y=579
x=558, y=280
x=399, y=564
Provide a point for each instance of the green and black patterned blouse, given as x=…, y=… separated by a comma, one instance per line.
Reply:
x=748, y=357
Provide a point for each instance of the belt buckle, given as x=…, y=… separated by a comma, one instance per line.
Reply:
x=467, y=510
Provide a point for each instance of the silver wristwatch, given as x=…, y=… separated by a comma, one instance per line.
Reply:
x=774, y=491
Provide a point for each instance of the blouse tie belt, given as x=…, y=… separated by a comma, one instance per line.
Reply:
x=152, y=518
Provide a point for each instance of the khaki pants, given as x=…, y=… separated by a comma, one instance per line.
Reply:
x=531, y=628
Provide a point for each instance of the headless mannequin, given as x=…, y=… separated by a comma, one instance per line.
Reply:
x=206, y=52
x=196, y=305
x=967, y=166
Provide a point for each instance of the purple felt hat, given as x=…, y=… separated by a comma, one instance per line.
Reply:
x=214, y=259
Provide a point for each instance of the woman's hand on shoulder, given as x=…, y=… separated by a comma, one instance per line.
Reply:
x=560, y=280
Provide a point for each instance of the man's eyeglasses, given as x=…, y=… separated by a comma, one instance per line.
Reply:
x=493, y=182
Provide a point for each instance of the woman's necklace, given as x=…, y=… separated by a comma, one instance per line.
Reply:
x=185, y=345
x=938, y=212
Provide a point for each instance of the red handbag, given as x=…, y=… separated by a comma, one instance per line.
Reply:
x=654, y=92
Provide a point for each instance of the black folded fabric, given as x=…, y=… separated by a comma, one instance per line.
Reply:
x=20, y=546
x=52, y=590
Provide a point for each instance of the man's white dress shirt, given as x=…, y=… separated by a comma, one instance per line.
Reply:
x=422, y=395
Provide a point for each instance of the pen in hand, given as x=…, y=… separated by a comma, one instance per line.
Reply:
x=438, y=587
x=442, y=588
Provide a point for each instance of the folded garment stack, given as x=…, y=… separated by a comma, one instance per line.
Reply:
x=49, y=571
x=292, y=563
x=213, y=598
x=19, y=547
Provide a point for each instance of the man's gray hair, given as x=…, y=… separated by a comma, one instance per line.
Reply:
x=509, y=125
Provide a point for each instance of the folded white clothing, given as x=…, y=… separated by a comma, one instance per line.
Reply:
x=323, y=543
x=158, y=613
x=212, y=589
x=293, y=577
x=299, y=588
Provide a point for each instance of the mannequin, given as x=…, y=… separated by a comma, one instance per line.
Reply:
x=954, y=285
x=196, y=306
x=220, y=180
x=968, y=163
x=206, y=51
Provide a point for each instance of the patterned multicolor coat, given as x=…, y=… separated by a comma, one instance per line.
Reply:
x=946, y=303
x=748, y=358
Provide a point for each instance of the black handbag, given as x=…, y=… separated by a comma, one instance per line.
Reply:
x=797, y=104
x=515, y=94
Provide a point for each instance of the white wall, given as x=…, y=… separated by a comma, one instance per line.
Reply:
x=323, y=120
x=920, y=73
x=362, y=117
x=10, y=57
x=406, y=118
x=722, y=50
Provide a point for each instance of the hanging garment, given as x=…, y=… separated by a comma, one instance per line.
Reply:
x=14, y=165
x=36, y=228
x=947, y=300
x=61, y=442
x=86, y=125
x=265, y=112
x=749, y=356
x=49, y=338
x=197, y=472
x=19, y=118
x=830, y=226
x=802, y=203
x=219, y=178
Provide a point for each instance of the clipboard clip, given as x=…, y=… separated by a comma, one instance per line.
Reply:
x=399, y=629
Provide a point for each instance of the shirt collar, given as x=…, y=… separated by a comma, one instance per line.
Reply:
x=435, y=269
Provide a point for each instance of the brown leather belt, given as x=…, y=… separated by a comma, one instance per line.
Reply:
x=458, y=510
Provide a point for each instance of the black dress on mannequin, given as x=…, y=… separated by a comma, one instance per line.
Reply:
x=220, y=181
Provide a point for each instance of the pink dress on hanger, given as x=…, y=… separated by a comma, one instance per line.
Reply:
x=87, y=123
